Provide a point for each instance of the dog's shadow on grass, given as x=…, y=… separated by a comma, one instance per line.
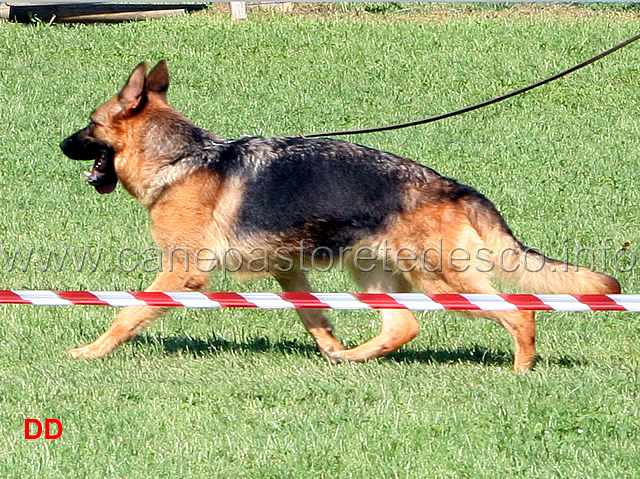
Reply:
x=477, y=354
x=198, y=347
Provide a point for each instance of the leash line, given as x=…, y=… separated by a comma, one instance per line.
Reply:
x=477, y=106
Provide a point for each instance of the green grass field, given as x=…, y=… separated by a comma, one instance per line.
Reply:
x=245, y=394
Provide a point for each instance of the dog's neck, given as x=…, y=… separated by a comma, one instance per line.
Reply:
x=162, y=164
x=172, y=170
x=167, y=176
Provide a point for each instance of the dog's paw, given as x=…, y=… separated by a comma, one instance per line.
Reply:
x=359, y=354
x=85, y=352
x=333, y=358
x=346, y=355
x=331, y=352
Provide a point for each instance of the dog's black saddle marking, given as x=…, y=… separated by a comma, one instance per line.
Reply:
x=331, y=191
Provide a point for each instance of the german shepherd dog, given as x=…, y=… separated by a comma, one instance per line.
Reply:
x=296, y=199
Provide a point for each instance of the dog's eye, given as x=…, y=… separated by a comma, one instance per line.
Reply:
x=94, y=122
x=93, y=125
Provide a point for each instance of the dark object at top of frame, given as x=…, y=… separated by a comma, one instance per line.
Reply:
x=91, y=12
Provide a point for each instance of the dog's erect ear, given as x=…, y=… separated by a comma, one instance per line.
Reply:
x=158, y=78
x=133, y=93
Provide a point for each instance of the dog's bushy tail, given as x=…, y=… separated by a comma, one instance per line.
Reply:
x=529, y=270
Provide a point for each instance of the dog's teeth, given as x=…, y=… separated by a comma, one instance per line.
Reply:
x=87, y=173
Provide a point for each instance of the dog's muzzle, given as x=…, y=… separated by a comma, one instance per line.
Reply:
x=80, y=146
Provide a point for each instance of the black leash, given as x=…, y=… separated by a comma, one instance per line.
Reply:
x=479, y=105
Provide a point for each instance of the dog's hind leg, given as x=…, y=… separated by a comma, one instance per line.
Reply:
x=314, y=320
x=133, y=319
x=519, y=324
x=399, y=326
x=459, y=265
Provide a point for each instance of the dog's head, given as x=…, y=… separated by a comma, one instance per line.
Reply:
x=112, y=124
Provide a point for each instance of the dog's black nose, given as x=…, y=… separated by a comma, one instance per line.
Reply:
x=70, y=148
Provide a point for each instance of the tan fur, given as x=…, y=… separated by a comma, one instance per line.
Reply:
x=531, y=271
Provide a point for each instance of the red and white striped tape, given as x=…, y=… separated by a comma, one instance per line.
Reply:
x=411, y=301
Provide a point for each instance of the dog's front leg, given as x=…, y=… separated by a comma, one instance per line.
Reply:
x=133, y=319
x=315, y=321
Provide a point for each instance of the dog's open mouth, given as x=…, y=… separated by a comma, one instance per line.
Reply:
x=103, y=175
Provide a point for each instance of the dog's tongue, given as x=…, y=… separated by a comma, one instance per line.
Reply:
x=103, y=176
x=104, y=189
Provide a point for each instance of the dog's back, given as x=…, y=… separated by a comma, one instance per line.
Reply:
x=330, y=192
